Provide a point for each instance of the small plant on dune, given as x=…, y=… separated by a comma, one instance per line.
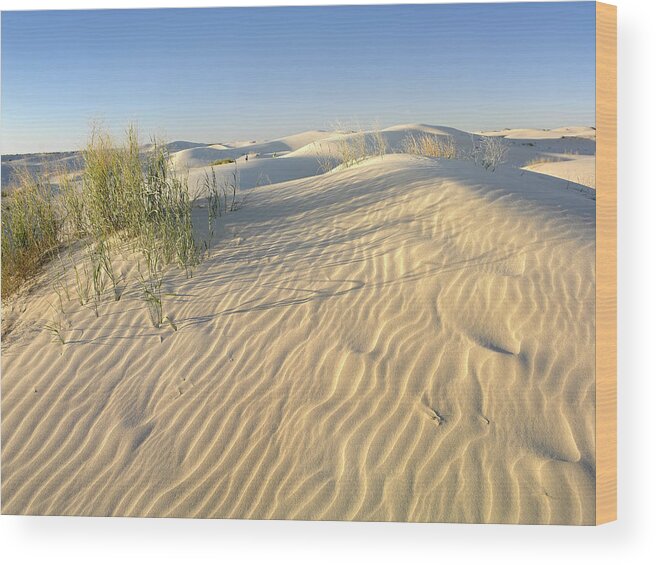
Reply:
x=213, y=193
x=56, y=330
x=102, y=272
x=59, y=286
x=379, y=146
x=428, y=145
x=97, y=280
x=220, y=162
x=262, y=180
x=82, y=283
x=325, y=159
x=230, y=187
x=151, y=286
x=170, y=322
x=353, y=149
x=490, y=152
x=152, y=295
x=57, y=289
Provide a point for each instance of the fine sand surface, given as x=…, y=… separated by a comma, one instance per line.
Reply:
x=579, y=169
x=407, y=339
x=567, y=153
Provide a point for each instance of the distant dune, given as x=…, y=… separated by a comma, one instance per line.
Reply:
x=405, y=339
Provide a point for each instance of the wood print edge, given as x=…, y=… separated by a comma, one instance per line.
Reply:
x=606, y=264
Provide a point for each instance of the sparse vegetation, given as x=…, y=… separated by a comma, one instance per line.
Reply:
x=126, y=197
x=430, y=146
x=151, y=286
x=219, y=162
x=490, y=152
x=55, y=329
x=31, y=230
x=353, y=149
x=213, y=193
x=538, y=160
x=325, y=159
x=379, y=146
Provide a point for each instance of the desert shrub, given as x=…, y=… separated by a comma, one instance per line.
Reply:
x=219, y=162
x=490, y=152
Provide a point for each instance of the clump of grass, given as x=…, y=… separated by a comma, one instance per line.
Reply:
x=31, y=228
x=74, y=215
x=151, y=286
x=379, y=144
x=59, y=285
x=109, y=196
x=326, y=161
x=152, y=296
x=219, y=162
x=230, y=187
x=165, y=213
x=56, y=330
x=82, y=283
x=214, y=205
x=353, y=149
x=429, y=145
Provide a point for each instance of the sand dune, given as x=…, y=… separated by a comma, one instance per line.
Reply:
x=301, y=152
x=406, y=339
x=203, y=156
x=301, y=158
x=583, y=132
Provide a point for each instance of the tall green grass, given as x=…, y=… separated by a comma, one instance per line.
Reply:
x=124, y=196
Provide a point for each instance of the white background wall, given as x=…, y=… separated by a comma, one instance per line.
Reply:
x=630, y=540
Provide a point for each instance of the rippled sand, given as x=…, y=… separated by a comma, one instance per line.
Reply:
x=408, y=339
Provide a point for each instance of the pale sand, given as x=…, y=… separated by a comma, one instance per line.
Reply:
x=578, y=168
x=407, y=339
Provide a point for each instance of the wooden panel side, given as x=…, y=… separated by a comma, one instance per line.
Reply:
x=606, y=265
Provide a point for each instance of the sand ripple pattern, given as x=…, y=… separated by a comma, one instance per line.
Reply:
x=405, y=340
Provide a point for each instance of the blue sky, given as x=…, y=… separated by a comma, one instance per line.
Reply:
x=214, y=75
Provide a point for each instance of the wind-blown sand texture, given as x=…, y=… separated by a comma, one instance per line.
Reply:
x=408, y=339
